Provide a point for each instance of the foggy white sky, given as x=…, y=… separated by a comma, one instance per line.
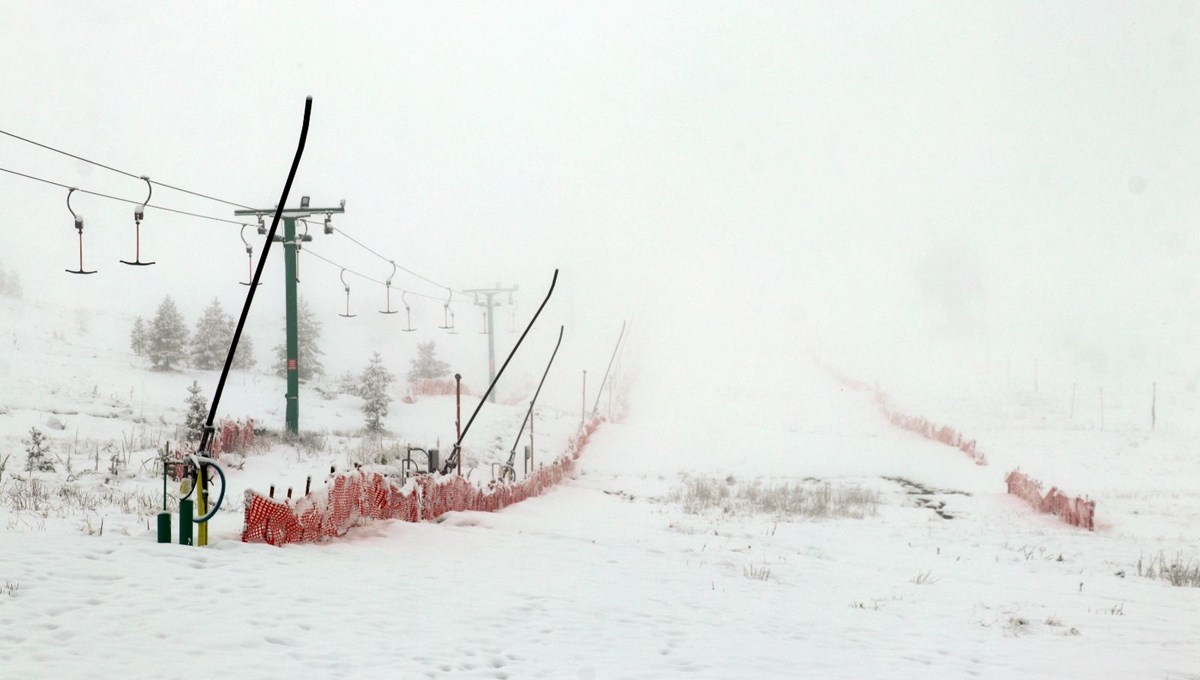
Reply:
x=900, y=185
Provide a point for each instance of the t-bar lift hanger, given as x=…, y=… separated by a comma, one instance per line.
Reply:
x=138, y=214
x=448, y=314
x=78, y=228
x=249, y=257
x=348, y=315
x=388, y=285
x=407, y=313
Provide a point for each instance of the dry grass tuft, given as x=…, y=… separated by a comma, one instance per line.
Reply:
x=810, y=498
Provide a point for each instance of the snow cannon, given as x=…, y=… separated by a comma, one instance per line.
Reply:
x=197, y=512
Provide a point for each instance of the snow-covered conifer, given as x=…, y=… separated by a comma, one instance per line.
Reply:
x=197, y=413
x=375, y=380
x=137, y=337
x=210, y=341
x=167, y=337
x=36, y=449
x=426, y=365
x=244, y=360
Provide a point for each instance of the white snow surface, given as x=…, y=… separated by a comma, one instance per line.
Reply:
x=604, y=576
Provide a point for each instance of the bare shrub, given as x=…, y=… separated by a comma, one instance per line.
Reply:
x=310, y=443
x=1016, y=625
x=923, y=578
x=759, y=573
x=1176, y=571
x=809, y=498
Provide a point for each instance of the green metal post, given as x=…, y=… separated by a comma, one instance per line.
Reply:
x=293, y=342
x=289, y=216
x=164, y=517
x=164, y=527
x=185, y=522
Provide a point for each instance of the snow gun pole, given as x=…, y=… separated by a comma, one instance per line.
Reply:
x=262, y=263
x=529, y=414
x=453, y=461
x=596, y=406
x=458, y=413
x=206, y=435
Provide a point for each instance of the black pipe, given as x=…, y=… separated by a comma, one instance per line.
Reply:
x=452, y=460
x=600, y=391
x=528, y=414
x=262, y=262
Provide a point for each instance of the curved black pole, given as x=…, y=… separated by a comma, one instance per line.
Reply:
x=529, y=413
x=452, y=461
x=262, y=262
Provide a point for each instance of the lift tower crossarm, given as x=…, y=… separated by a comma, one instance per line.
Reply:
x=490, y=295
x=289, y=217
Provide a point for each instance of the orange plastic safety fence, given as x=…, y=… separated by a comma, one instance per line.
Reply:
x=929, y=430
x=1074, y=511
x=354, y=498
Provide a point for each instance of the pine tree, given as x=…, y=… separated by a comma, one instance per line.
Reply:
x=244, y=360
x=308, y=331
x=210, y=341
x=375, y=380
x=167, y=337
x=426, y=365
x=197, y=413
x=137, y=337
x=36, y=448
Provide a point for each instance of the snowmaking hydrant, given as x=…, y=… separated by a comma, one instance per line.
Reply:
x=194, y=479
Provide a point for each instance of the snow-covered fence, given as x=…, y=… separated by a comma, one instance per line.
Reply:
x=357, y=497
x=921, y=425
x=1074, y=511
x=433, y=387
x=929, y=430
x=231, y=437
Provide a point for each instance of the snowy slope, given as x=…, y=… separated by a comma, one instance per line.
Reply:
x=605, y=577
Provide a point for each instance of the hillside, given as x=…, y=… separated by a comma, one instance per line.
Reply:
x=768, y=527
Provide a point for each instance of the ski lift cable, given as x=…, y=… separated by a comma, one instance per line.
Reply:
x=121, y=172
x=365, y=277
x=389, y=260
x=185, y=191
x=122, y=200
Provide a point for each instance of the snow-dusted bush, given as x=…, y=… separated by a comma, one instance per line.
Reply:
x=167, y=337
x=347, y=383
x=373, y=388
x=1177, y=572
x=36, y=451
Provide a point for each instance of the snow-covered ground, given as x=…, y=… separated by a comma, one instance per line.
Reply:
x=607, y=576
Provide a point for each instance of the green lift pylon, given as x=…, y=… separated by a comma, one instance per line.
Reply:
x=289, y=240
